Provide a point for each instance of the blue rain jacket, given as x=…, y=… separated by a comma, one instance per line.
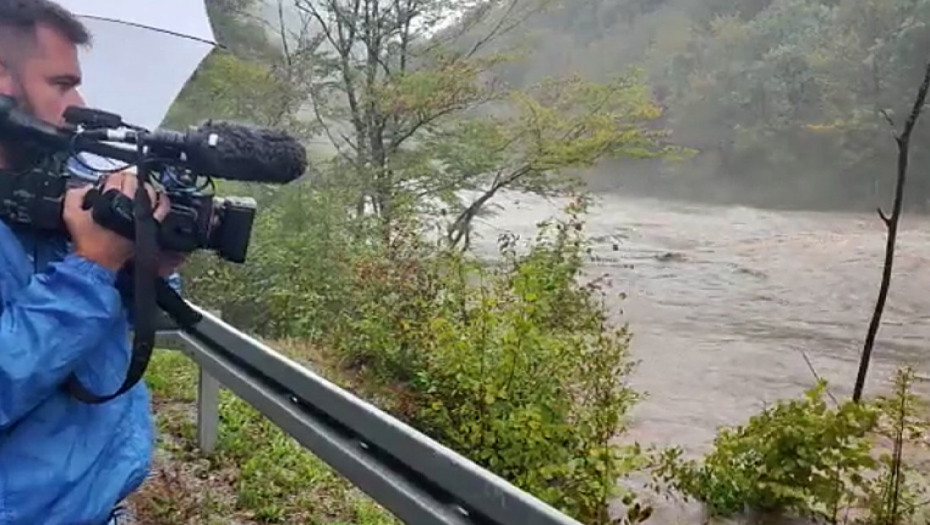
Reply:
x=63, y=461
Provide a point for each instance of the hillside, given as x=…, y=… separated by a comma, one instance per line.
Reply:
x=782, y=98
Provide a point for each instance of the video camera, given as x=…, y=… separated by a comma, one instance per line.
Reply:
x=183, y=163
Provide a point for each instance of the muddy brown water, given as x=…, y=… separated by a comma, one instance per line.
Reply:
x=725, y=302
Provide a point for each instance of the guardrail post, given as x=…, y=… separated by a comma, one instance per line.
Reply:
x=208, y=408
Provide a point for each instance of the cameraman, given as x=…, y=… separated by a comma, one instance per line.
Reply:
x=62, y=461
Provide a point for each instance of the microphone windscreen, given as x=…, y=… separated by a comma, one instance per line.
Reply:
x=246, y=153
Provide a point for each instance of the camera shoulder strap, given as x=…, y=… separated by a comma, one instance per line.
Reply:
x=143, y=275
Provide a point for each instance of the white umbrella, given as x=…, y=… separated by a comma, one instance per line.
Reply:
x=143, y=53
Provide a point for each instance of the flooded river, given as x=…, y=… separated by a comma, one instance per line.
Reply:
x=724, y=303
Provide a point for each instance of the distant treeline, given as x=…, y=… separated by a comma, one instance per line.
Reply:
x=784, y=99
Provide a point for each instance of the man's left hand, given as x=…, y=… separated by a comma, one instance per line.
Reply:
x=169, y=262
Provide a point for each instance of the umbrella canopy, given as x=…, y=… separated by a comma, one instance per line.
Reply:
x=143, y=53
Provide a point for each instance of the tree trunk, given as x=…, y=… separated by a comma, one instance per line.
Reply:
x=891, y=223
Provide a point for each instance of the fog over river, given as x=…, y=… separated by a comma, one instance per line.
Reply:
x=724, y=302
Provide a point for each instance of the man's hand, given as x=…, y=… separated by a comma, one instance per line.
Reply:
x=169, y=262
x=96, y=243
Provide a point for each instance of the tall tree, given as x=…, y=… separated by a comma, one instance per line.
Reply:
x=903, y=141
x=410, y=97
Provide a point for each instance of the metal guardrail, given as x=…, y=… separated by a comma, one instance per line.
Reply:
x=414, y=477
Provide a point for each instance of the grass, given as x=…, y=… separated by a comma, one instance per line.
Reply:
x=256, y=475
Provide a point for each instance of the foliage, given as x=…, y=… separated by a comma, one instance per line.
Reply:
x=513, y=366
x=894, y=495
x=484, y=352
x=407, y=99
x=238, y=31
x=229, y=88
x=798, y=456
x=801, y=86
x=250, y=78
x=296, y=276
x=783, y=99
x=542, y=135
x=845, y=464
x=412, y=105
x=407, y=309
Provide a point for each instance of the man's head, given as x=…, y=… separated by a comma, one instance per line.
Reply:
x=39, y=66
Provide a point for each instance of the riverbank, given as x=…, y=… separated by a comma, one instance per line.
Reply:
x=258, y=475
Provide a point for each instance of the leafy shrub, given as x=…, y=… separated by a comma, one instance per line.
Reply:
x=895, y=492
x=295, y=278
x=799, y=456
x=513, y=365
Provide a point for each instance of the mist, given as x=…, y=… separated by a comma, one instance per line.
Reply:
x=783, y=102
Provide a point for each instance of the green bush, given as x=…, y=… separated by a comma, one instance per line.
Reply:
x=798, y=456
x=294, y=280
x=896, y=492
x=513, y=365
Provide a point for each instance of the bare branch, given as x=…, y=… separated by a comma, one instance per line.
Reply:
x=348, y=140
x=471, y=22
x=817, y=377
x=404, y=19
x=888, y=119
x=342, y=40
x=281, y=32
x=459, y=228
x=398, y=139
x=307, y=7
x=918, y=106
x=329, y=134
x=494, y=31
x=885, y=218
x=903, y=141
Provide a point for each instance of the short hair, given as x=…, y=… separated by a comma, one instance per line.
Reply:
x=19, y=19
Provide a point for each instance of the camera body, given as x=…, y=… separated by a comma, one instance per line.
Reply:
x=197, y=220
x=174, y=160
x=201, y=221
x=223, y=225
